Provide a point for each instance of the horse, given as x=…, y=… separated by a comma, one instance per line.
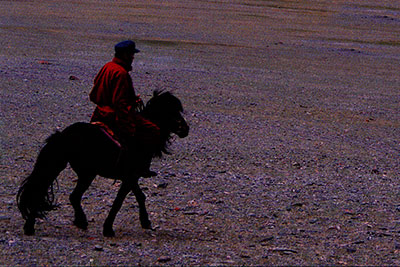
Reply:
x=90, y=151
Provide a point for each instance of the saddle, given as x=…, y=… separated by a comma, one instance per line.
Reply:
x=107, y=130
x=123, y=151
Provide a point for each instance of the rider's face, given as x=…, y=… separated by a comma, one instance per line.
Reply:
x=129, y=57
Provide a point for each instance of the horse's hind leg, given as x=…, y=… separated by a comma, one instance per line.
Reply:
x=29, y=226
x=84, y=181
x=125, y=188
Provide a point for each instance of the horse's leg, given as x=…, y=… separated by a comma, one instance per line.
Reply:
x=125, y=188
x=84, y=181
x=29, y=226
x=141, y=198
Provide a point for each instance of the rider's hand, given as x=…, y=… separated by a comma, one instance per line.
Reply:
x=139, y=103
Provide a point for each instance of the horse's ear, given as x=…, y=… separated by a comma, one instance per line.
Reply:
x=157, y=92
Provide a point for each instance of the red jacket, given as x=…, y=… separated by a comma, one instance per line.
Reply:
x=115, y=97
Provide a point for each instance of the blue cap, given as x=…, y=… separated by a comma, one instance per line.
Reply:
x=126, y=46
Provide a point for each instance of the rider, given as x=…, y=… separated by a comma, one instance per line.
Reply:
x=118, y=106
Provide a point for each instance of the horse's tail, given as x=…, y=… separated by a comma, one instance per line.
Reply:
x=35, y=196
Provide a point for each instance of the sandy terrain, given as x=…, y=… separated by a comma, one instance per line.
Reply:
x=293, y=154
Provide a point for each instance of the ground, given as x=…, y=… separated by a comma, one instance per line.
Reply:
x=293, y=153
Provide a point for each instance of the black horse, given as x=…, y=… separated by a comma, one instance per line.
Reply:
x=90, y=151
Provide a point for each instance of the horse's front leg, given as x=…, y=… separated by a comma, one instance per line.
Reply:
x=141, y=198
x=125, y=188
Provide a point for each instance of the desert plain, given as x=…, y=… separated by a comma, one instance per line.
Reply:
x=293, y=157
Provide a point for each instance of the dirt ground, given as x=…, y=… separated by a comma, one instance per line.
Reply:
x=294, y=152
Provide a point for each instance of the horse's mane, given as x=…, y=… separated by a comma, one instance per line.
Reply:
x=167, y=97
x=159, y=104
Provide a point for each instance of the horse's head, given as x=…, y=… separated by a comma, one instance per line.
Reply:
x=165, y=110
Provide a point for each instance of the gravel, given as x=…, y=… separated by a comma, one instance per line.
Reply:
x=293, y=154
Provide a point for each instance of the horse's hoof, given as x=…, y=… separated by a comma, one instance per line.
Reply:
x=108, y=232
x=146, y=224
x=81, y=224
x=29, y=230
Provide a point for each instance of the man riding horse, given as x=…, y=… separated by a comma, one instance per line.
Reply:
x=117, y=109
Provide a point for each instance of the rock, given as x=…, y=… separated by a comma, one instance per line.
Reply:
x=296, y=165
x=298, y=204
x=98, y=248
x=351, y=249
x=284, y=250
x=349, y=212
x=375, y=171
x=294, y=205
x=190, y=213
x=265, y=239
x=204, y=212
x=164, y=259
x=162, y=185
